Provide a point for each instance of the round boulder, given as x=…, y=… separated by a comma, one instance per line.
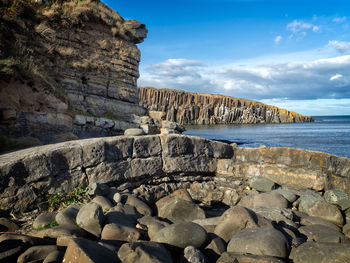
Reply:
x=264, y=241
x=181, y=235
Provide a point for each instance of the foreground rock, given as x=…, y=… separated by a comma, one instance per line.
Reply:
x=319, y=252
x=83, y=250
x=144, y=252
x=263, y=241
x=181, y=235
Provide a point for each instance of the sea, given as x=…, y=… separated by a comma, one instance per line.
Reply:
x=330, y=134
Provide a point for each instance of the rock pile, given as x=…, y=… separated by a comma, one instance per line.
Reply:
x=266, y=223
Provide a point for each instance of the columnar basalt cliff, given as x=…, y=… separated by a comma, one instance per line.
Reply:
x=63, y=58
x=199, y=108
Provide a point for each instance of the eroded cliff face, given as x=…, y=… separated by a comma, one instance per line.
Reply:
x=66, y=58
x=198, y=108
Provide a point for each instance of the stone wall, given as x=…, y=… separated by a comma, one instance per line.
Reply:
x=173, y=161
x=196, y=108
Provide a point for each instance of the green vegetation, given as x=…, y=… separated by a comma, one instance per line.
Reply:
x=7, y=144
x=51, y=224
x=6, y=66
x=77, y=196
x=110, y=115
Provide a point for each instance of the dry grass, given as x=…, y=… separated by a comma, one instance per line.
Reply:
x=84, y=10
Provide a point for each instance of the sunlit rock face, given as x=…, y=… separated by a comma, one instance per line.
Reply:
x=198, y=108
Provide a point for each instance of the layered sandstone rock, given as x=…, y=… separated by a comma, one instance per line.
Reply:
x=152, y=165
x=198, y=108
x=74, y=57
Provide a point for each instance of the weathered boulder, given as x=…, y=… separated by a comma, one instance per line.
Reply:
x=68, y=216
x=338, y=197
x=90, y=218
x=181, y=235
x=193, y=255
x=83, y=250
x=7, y=225
x=270, y=200
x=133, y=132
x=36, y=253
x=321, y=233
x=44, y=219
x=325, y=211
x=103, y=202
x=264, y=241
x=140, y=206
x=178, y=194
x=261, y=184
x=98, y=189
x=116, y=232
x=312, y=220
x=54, y=257
x=290, y=196
x=144, y=252
x=180, y=210
x=233, y=220
x=229, y=257
x=321, y=252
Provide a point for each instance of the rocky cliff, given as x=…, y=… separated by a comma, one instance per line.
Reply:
x=198, y=108
x=62, y=58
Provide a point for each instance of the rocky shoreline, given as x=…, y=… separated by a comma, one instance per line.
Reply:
x=174, y=198
x=265, y=223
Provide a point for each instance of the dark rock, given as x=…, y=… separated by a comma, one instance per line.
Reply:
x=272, y=199
x=10, y=250
x=68, y=216
x=229, y=257
x=312, y=220
x=90, y=218
x=263, y=241
x=181, y=235
x=180, y=210
x=36, y=253
x=120, y=218
x=178, y=194
x=321, y=233
x=54, y=257
x=307, y=199
x=140, y=206
x=118, y=232
x=289, y=195
x=261, y=184
x=337, y=197
x=7, y=225
x=44, y=219
x=325, y=211
x=193, y=255
x=147, y=146
x=59, y=231
x=321, y=252
x=144, y=252
x=153, y=224
x=98, y=189
x=215, y=248
x=83, y=250
x=234, y=220
x=279, y=215
x=103, y=202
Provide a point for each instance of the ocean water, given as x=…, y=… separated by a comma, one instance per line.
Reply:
x=329, y=134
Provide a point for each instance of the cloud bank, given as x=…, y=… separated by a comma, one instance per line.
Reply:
x=310, y=80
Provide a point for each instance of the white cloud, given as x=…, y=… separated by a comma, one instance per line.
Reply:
x=339, y=19
x=300, y=28
x=340, y=46
x=336, y=76
x=289, y=79
x=278, y=39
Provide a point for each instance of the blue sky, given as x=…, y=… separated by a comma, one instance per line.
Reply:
x=290, y=53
